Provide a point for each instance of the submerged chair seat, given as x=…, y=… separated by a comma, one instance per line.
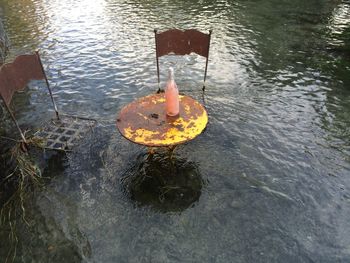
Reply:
x=62, y=132
x=65, y=132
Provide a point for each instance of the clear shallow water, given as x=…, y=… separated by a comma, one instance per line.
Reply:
x=269, y=179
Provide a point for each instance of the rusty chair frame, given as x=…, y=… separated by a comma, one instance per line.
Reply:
x=180, y=42
x=64, y=129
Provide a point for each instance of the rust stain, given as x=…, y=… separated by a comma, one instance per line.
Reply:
x=182, y=42
x=144, y=121
x=15, y=76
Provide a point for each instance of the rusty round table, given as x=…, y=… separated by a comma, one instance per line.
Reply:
x=144, y=121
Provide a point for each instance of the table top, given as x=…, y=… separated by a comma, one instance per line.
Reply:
x=144, y=121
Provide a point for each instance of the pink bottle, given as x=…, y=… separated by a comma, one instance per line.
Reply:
x=171, y=95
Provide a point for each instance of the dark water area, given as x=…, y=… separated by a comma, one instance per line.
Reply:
x=267, y=181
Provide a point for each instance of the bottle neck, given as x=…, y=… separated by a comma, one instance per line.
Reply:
x=171, y=74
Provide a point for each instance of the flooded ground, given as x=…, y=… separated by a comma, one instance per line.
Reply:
x=268, y=180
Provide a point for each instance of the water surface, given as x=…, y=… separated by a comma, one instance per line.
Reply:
x=268, y=180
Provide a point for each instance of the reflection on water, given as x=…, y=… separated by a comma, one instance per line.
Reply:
x=275, y=156
x=167, y=183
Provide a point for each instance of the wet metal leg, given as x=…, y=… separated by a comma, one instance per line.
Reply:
x=171, y=151
x=151, y=150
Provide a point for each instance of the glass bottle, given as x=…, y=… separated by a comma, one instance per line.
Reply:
x=171, y=95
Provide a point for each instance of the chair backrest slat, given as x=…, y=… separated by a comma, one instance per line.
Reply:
x=16, y=75
x=182, y=42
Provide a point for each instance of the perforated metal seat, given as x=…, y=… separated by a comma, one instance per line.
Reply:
x=64, y=133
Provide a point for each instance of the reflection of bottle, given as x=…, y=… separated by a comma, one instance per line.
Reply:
x=171, y=95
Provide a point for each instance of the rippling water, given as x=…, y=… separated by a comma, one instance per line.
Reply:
x=268, y=180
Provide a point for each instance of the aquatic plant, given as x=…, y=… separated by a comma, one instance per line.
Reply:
x=22, y=173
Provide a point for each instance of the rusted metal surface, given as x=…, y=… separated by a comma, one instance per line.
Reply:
x=15, y=76
x=182, y=42
x=64, y=133
x=144, y=121
x=59, y=134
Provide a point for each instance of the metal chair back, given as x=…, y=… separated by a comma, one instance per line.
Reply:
x=60, y=133
x=181, y=42
x=15, y=77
